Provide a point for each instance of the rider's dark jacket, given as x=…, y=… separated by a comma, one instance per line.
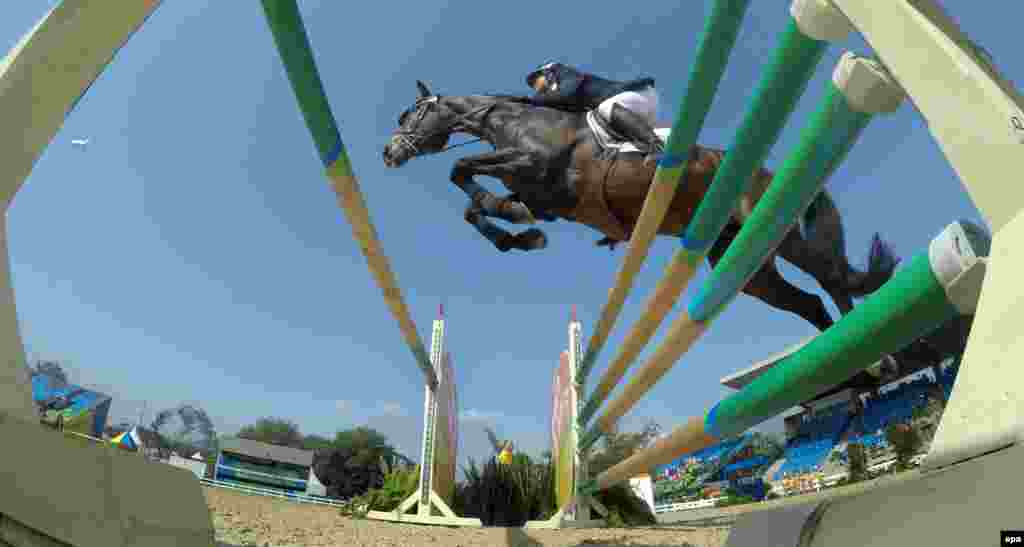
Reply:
x=577, y=90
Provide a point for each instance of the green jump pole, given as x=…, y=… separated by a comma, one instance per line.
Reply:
x=811, y=27
x=929, y=290
x=715, y=44
x=910, y=305
x=859, y=89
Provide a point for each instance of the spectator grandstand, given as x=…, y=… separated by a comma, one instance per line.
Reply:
x=815, y=437
x=826, y=424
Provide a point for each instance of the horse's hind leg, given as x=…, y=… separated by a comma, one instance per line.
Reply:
x=770, y=287
x=795, y=250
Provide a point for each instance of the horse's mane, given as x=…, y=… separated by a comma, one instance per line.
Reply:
x=501, y=97
x=504, y=97
x=518, y=99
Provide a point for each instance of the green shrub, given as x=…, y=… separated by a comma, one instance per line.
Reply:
x=511, y=495
x=398, y=485
x=506, y=495
x=625, y=508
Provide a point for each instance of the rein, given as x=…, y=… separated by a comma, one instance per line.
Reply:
x=412, y=139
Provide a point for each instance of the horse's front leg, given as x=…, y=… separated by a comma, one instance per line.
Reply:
x=503, y=163
x=502, y=239
x=483, y=204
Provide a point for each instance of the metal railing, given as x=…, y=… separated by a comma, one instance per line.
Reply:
x=302, y=498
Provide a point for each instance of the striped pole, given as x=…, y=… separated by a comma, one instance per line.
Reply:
x=812, y=26
x=859, y=89
x=928, y=291
x=715, y=44
x=297, y=55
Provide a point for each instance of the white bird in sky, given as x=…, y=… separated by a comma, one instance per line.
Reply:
x=80, y=142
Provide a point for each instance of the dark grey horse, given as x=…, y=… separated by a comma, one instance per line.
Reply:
x=549, y=159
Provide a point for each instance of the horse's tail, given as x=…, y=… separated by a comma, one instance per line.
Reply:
x=823, y=230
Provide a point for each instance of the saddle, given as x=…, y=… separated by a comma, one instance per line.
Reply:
x=609, y=141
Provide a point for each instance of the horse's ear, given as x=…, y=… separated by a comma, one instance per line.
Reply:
x=424, y=90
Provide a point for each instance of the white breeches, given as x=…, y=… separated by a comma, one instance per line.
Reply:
x=643, y=102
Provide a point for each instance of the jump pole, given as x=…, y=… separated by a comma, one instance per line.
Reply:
x=929, y=290
x=812, y=25
x=297, y=55
x=860, y=88
x=289, y=33
x=715, y=45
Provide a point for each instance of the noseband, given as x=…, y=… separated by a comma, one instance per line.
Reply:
x=411, y=139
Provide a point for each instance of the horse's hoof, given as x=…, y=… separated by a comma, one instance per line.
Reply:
x=521, y=214
x=506, y=243
x=531, y=240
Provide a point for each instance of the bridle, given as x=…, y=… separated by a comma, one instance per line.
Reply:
x=411, y=140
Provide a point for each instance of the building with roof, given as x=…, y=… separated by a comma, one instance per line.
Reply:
x=263, y=465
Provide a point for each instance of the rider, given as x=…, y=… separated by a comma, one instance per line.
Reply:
x=628, y=108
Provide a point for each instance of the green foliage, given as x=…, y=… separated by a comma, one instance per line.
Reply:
x=521, y=460
x=277, y=431
x=506, y=495
x=625, y=508
x=315, y=442
x=619, y=446
x=368, y=446
x=510, y=495
x=185, y=426
x=398, y=485
x=686, y=486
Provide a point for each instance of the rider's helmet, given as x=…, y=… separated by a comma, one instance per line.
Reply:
x=542, y=70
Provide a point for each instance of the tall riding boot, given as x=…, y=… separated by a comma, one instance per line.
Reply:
x=634, y=127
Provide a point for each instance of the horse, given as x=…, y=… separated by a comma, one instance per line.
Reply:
x=555, y=167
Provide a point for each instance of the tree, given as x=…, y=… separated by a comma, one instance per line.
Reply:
x=277, y=431
x=619, y=446
x=367, y=444
x=184, y=429
x=351, y=465
x=315, y=442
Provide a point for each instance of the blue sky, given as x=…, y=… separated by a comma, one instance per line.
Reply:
x=193, y=252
